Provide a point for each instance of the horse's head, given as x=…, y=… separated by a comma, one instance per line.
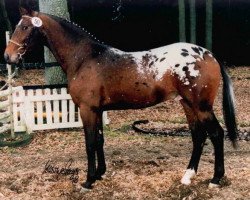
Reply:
x=26, y=33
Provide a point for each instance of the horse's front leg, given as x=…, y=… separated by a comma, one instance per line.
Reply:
x=101, y=167
x=91, y=123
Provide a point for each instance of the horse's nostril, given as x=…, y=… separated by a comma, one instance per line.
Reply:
x=6, y=57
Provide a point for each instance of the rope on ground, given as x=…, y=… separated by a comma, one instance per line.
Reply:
x=153, y=132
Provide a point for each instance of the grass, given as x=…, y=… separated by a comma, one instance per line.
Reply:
x=178, y=120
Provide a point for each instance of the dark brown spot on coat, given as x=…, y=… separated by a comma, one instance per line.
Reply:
x=177, y=65
x=185, y=68
x=196, y=50
x=185, y=50
x=165, y=53
x=162, y=59
x=150, y=64
x=184, y=54
x=145, y=84
x=190, y=63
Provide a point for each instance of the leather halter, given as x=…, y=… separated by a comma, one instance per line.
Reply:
x=21, y=46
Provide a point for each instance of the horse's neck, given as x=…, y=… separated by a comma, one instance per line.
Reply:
x=65, y=51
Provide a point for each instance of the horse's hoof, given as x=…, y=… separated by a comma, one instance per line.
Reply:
x=185, y=181
x=84, y=190
x=189, y=174
x=99, y=178
x=87, y=185
x=213, y=185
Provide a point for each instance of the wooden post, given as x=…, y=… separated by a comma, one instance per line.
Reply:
x=10, y=91
x=192, y=21
x=54, y=75
x=182, y=21
x=209, y=24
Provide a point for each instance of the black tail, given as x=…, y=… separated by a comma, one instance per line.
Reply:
x=229, y=107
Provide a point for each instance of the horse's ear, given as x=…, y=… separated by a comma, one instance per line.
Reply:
x=27, y=7
x=25, y=11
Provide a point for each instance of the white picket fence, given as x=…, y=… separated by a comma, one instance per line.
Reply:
x=6, y=113
x=42, y=109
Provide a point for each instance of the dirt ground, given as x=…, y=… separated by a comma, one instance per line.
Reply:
x=138, y=166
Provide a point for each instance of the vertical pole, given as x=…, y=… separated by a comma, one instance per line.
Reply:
x=182, y=22
x=192, y=21
x=209, y=24
x=10, y=98
x=105, y=118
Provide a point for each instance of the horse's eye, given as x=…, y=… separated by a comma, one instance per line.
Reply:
x=24, y=28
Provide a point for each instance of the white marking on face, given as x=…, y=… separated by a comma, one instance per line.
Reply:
x=189, y=174
x=20, y=22
x=171, y=58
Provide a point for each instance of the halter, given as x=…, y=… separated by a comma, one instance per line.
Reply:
x=21, y=46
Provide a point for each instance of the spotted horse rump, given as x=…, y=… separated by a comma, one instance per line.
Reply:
x=179, y=59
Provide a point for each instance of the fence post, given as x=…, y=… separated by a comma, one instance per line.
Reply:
x=10, y=98
x=209, y=24
x=192, y=9
x=182, y=21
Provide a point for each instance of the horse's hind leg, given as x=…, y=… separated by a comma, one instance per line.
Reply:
x=206, y=123
x=198, y=137
x=216, y=134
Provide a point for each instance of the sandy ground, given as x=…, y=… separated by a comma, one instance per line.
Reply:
x=138, y=166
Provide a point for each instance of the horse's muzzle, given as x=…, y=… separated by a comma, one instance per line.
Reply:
x=6, y=57
x=11, y=59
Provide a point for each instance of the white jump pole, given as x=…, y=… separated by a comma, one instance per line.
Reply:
x=9, y=82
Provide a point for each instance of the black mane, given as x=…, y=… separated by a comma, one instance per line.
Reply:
x=74, y=31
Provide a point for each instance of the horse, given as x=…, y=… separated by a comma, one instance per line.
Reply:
x=101, y=78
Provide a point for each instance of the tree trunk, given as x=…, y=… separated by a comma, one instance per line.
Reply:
x=54, y=75
x=182, y=23
x=209, y=24
x=192, y=21
x=5, y=16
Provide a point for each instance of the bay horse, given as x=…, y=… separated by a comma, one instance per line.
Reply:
x=102, y=78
